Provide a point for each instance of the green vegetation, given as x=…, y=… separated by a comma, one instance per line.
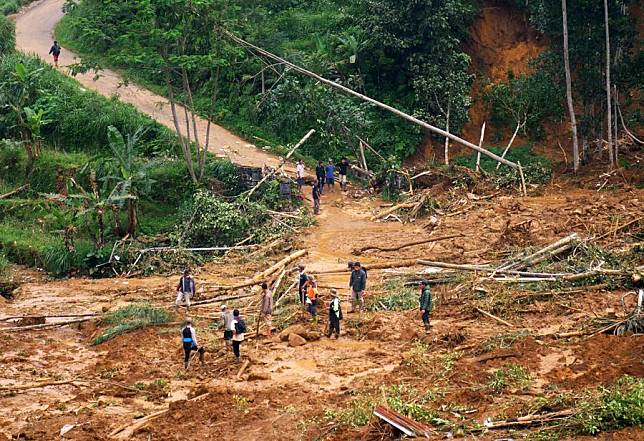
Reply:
x=7, y=35
x=131, y=318
x=398, y=297
x=10, y=6
x=537, y=169
x=509, y=376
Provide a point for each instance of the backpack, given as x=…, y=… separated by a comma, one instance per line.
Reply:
x=240, y=326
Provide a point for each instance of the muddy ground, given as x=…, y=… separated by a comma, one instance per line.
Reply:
x=314, y=391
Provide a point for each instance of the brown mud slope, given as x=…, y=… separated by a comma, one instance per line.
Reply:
x=324, y=389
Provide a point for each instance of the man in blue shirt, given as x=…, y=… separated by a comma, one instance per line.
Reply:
x=330, y=177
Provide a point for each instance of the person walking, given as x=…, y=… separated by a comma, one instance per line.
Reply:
x=425, y=303
x=335, y=315
x=226, y=320
x=320, y=173
x=302, y=284
x=299, y=173
x=266, y=308
x=357, y=283
x=189, y=339
x=55, y=52
x=330, y=176
x=343, y=169
x=239, y=326
x=315, y=192
x=185, y=290
x=312, y=297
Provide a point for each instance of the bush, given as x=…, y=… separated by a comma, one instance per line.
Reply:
x=7, y=35
x=130, y=318
x=536, y=169
x=398, y=297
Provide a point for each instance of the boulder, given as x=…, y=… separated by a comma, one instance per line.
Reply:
x=294, y=329
x=256, y=375
x=295, y=340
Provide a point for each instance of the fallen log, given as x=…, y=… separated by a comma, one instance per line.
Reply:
x=621, y=227
x=370, y=266
x=16, y=317
x=500, y=320
x=488, y=357
x=16, y=191
x=279, y=265
x=127, y=430
x=551, y=250
x=243, y=366
x=391, y=210
x=530, y=419
x=359, y=251
x=406, y=425
x=295, y=282
x=45, y=325
x=15, y=387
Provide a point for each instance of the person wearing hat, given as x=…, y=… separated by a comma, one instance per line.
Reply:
x=335, y=315
x=425, y=302
x=189, y=339
x=185, y=290
x=226, y=320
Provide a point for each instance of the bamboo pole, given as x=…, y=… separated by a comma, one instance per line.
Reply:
x=405, y=245
x=368, y=99
x=478, y=154
x=392, y=209
x=500, y=320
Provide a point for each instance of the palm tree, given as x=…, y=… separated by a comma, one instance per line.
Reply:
x=128, y=173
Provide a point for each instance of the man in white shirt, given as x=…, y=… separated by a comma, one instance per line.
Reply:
x=299, y=170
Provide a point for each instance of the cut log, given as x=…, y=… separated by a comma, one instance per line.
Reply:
x=279, y=265
x=464, y=267
x=359, y=251
x=16, y=317
x=500, y=320
x=44, y=326
x=488, y=357
x=392, y=209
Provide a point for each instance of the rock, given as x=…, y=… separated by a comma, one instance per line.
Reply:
x=255, y=375
x=294, y=329
x=312, y=335
x=295, y=340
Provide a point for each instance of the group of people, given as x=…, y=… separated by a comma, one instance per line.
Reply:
x=324, y=176
x=234, y=326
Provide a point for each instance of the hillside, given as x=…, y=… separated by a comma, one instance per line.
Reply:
x=168, y=147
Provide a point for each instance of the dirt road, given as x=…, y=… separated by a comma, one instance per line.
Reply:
x=34, y=34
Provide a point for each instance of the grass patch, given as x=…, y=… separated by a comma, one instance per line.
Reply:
x=131, y=318
x=398, y=297
x=503, y=341
x=509, y=376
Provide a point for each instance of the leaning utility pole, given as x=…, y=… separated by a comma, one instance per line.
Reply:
x=384, y=106
x=571, y=109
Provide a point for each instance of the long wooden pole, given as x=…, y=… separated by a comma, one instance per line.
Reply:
x=384, y=106
x=609, y=107
x=571, y=108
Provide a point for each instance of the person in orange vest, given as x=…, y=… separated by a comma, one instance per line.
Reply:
x=312, y=297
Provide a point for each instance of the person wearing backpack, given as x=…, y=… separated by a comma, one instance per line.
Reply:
x=189, y=339
x=239, y=326
x=335, y=315
x=425, y=303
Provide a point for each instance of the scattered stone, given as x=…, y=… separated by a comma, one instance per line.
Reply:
x=258, y=376
x=295, y=340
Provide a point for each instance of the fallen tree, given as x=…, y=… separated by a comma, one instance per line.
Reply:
x=359, y=251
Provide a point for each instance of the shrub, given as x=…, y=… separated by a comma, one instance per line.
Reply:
x=398, y=297
x=130, y=318
x=7, y=34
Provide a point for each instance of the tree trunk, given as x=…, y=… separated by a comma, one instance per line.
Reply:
x=101, y=228
x=478, y=155
x=446, y=138
x=118, y=228
x=514, y=135
x=609, y=107
x=132, y=220
x=571, y=108
x=616, y=147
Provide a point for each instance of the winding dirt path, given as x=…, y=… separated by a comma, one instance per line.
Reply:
x=34, y=34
